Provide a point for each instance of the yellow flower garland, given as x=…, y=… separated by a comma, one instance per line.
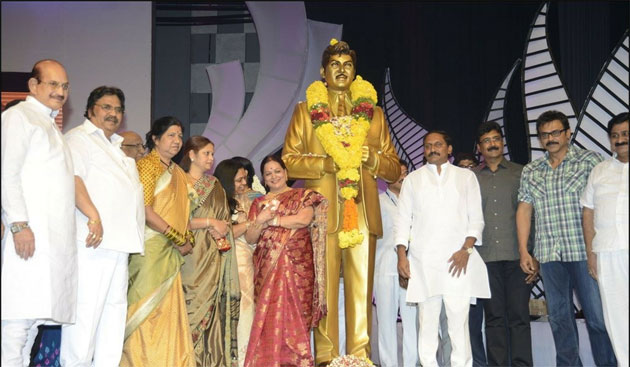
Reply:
x=342, y=138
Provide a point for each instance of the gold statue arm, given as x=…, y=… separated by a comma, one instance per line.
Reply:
x=382, y=159
x=302, y=163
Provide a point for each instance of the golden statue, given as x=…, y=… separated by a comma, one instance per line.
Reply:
x=307, y=158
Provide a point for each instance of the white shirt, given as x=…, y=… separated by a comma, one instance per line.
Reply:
x=38, y=187
x=606, y=193
x=386, y=259
x=111, y=179
x=437, y=213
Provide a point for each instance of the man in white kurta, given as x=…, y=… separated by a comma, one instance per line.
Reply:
x=38, y=253
x=389, y=295
x=112, y=184
x=439, y=209
x=605, y=224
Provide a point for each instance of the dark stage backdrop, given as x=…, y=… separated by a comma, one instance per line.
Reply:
x=448, y=58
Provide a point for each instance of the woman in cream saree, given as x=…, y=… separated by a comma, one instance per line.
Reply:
x=210, y=274
x=235, y=179
x=157, y=331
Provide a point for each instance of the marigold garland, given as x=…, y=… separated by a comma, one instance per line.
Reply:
x=349, y=360
x=342, y=138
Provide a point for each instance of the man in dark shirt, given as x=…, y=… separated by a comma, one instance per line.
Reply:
x=499, y=180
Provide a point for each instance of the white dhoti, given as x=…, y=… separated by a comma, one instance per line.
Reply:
x=98, y=333
x=612, y=278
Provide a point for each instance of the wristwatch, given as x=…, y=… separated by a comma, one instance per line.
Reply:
x=17, y=227
x=469, y=250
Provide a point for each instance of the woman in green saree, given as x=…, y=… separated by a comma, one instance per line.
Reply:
x=210, y=274
x=157, y=331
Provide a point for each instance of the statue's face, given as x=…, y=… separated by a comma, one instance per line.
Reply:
x=339, y=72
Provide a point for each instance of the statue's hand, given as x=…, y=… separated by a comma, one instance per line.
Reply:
x=330, y=166
x=365, y=153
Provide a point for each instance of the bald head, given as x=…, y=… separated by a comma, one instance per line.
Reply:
x=49, y=83
x=132, y=145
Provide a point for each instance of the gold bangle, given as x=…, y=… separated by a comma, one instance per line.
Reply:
x=94, y=221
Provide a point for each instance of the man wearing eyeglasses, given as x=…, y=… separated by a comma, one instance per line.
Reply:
x=508, y=332
x=39, y=263
x=605, y=224
x=109, y=179
x=132, y=145
x=551, y=187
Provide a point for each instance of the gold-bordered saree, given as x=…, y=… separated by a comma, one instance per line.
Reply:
x=157, y=331
x=289, y=283
x=210, y=279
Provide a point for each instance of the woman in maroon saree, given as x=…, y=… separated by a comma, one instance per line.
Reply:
x=289, y=227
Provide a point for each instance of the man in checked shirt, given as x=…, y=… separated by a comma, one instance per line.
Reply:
x=551, y=186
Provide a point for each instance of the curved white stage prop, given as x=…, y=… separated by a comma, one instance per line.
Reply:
x=228, y=100
x=319, y=35
x=607, y=98
x=407, y=134
x=496, y=110
x=542, y=88
x=283, y=48
x=290, y=54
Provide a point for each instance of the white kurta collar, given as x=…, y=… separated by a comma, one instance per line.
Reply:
x=89, y=127
x=616, y=159
x=443, y=168
x=42, y=107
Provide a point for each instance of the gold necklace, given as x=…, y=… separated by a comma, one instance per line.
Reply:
x=272, y=195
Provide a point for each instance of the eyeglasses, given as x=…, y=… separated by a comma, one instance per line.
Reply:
x=554, y=133
x=137, y=146
x=54, y=85
x=108, y=108
x=494, y=139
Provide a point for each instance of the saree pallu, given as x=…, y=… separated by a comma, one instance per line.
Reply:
x=157, y=331
x=244, y=258
x=288, y=284
x=210, y=279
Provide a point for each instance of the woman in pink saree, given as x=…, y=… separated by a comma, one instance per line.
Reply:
x=289, y=227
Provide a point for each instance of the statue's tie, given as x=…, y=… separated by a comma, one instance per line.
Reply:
x=341, y=106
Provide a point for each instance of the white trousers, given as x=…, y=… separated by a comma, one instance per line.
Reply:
x=17, y=341
x=389, y=298
x=456, y=308
x=444, y=349
x=96, y=339
x=612, y=274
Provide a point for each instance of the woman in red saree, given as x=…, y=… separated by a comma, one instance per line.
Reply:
x=289, y=227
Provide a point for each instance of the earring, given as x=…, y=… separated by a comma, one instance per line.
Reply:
x=192, y=160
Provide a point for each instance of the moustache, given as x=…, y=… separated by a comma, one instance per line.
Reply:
x=341, y=75
x=433, y=153
x=59, y=98
x=551, y=143
x=493, y=148
x=112, y=119
x=621, y=143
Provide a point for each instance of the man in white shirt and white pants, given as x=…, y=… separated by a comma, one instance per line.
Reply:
x=38, y=201
x=389, y=294
x=112, y=184
x=439, y=209
x=605, y=224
